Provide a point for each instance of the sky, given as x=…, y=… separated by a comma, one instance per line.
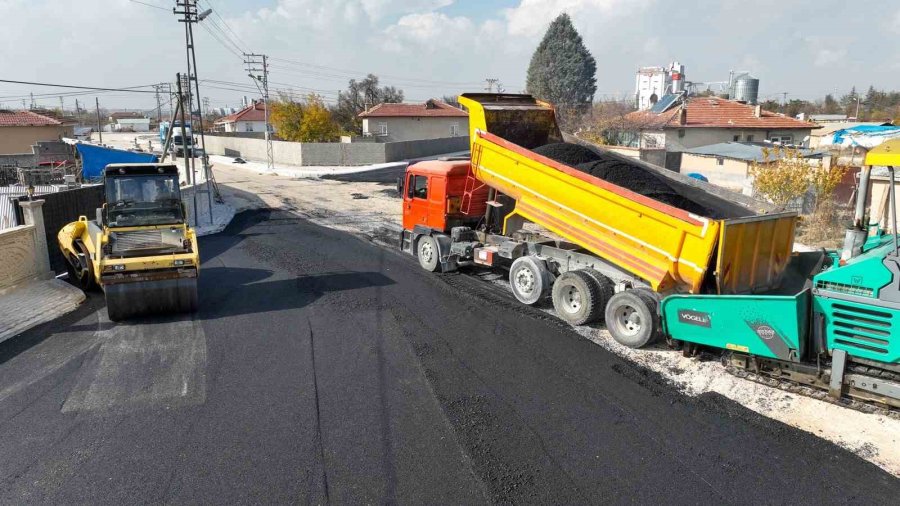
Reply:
x=431, y=48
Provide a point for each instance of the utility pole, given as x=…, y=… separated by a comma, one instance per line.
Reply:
x=62, y=105
x=491, y=81
x=190, y=15
x=857, y=107
x=32, y=100
x=99, y=127
x=258, y=70
x=156, y=88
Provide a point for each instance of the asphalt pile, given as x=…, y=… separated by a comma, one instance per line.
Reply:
x=620, y=173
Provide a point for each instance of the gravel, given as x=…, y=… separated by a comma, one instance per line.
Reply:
x=620, y=173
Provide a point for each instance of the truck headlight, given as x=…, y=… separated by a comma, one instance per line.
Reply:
x=113, y=268
x=178, y=263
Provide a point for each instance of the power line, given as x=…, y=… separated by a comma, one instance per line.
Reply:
x=150, y=5
x=92, y=88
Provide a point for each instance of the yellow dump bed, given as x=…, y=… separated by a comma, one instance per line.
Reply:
x=668, y=247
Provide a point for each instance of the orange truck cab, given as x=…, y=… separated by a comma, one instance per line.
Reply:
x=433, y=193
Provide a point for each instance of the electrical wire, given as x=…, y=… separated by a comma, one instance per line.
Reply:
x=130, y=89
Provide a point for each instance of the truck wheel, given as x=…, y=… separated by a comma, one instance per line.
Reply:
x=529, y=280
x=631, y=318
x=575, y=297
x=428, y=253
x=607, y=288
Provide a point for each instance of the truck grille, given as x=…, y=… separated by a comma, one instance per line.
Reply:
x=864, y=329
x=145, y=239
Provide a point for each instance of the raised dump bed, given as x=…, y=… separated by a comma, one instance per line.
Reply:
x=673, y=250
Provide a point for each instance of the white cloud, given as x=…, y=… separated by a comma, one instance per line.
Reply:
x=826, y=57
x=531, y=17
x=430, y=30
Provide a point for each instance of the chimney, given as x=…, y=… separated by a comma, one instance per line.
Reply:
x=757, y=111
x=682, y=115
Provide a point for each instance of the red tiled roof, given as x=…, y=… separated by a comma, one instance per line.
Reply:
x=25, y=118
x=715, y=112
x=430, y=109
x=255, y=112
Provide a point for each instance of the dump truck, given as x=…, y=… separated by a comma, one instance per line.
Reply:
x=600, y=251
x=139, y=249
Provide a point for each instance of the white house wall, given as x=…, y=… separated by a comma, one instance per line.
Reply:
x=409, y=129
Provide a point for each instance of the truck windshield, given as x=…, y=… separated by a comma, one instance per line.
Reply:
x=143, y=200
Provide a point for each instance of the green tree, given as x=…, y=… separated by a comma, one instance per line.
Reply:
x=562, y=70
x=830, y=105
x=286, y=116
x=359, y=96
x=304, y=121
x=317, y=124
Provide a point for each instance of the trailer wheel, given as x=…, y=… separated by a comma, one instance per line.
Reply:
x=575, y=298
x=529, y=280
x=428, y=253
x=631, y=318
x=606, y=286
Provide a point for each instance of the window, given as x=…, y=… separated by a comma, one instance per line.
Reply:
x=749, y=138
x=454, y=129
x=248, y=127
x=382, y=129
x=418, y=187
x=736, y=138
x=784, y=139
x=720, y=160
x=680, y=133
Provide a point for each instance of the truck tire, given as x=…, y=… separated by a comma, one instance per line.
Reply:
x=529, y=280
x=575, y=298
x=632, y=319
x=428, y=253
x=606, y=286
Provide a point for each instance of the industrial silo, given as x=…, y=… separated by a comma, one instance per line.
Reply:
x=745, y=88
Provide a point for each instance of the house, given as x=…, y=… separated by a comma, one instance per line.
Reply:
x=728, y=164
x=19, y=130
x=249, y=119
x=700, y=121
x=407, y=122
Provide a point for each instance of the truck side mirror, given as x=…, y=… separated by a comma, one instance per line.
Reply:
x=400, y=186
x=101, y=215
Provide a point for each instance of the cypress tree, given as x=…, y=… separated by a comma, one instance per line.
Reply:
x=562, y=69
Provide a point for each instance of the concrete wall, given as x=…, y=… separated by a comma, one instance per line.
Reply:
x=333, y=153
x=20, y=139
x=24, y=250
x=409, y=129
x=731, y=174
x=696, y=137
x=19, y=160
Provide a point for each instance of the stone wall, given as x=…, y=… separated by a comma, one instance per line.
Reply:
x=24, y=250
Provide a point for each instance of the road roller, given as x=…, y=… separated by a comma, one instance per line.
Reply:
x=139, y=249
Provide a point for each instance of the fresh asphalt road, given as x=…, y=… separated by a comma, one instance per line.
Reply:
x=324, y=369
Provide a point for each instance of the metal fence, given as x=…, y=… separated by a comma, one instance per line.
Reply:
x=10, y=194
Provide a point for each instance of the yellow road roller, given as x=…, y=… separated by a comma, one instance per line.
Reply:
x=140, y=249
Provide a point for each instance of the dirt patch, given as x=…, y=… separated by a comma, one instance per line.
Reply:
x=359, y=196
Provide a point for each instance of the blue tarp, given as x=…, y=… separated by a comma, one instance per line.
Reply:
x=95, y=158
x=851, y=136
